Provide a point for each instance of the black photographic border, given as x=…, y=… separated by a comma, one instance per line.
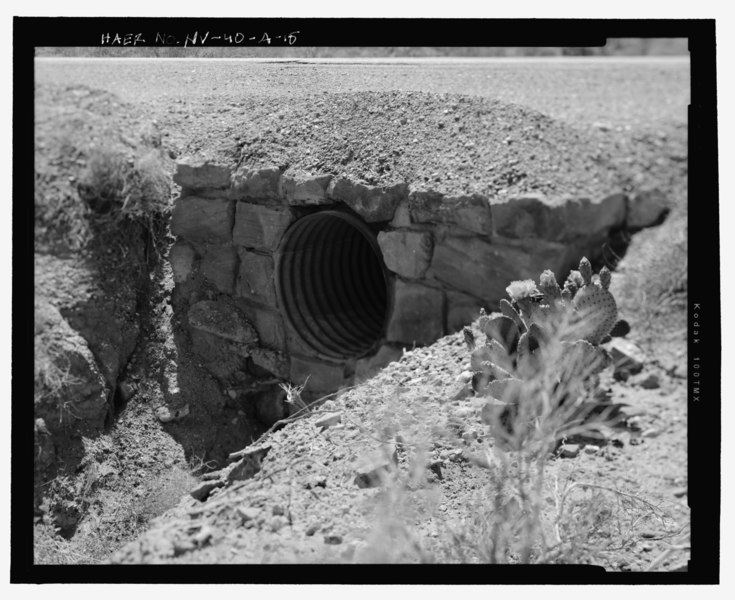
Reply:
x=704, y=343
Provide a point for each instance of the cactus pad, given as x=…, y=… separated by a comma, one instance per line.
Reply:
x=605, y=278
x=549, y=287
x=585, y=270
x=596, y=315
x=507, y=309
x=504, y=331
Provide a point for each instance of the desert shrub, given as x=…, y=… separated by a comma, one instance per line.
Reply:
x=124, y=188
x=51, y=370
x=115, y=189
x=166, y=492
x=652, y=282
x=116, y=517
x=537, y=366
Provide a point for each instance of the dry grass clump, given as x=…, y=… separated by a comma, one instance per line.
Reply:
x=95, y=189
x=111, y=518
x=51, y=369
x=132, y=188
x=651, y=285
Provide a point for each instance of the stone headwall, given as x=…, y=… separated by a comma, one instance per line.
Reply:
x=446, y=257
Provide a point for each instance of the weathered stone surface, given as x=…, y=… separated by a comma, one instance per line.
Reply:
x=407, y=253
x=223, y=320
x=201, y=492
x=646, y=208
x=110, y=337
x=417, y=314
x=470, y=212
x=83, y=388
x=367, y=367
x=372, y=203
x=272, y=361
x=218, y=355
x=401, y=216
x=377, y=468
x=484, y=270
x=328, y=420
x=628, y=359
x=461, y=310
x=219, y=266
x=249, y=463
x=260, y=227
x=198, y=172
x=535, y=216
x=528, y=216
x=648, y=381
x=322, y=377
x=302, y=189
x=257, y=183
x=256, y=279
x=181, y=257
x=203, y=220
x=269, y=325
x=587, y=218
x=570, y=451
x=167, y=414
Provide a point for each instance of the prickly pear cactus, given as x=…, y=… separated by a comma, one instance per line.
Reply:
x=594, y=305
x=545, y=328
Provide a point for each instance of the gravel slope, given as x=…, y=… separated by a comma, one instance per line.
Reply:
x=603, y=126
x=305, y=504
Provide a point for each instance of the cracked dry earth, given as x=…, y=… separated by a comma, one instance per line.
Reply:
x=400, y=469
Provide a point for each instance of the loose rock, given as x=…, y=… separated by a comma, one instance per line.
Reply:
x=166, y=414
x=202, y=491
x=647, y=381
x=328, y=420
x=627, y=358
x=570, y=450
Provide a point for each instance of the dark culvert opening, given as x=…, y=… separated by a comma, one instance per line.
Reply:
x=332, y=284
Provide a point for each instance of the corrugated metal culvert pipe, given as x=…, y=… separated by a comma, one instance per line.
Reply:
x=332, y=284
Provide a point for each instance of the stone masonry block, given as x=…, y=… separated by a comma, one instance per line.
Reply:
x=587, y=218
x=269, y=325
x=223, y=320
x=461, y=310
x=484, y=270
x=402, y=215
x=182, y=257
x=372, y=203
x=322, y=377
x=198, y=172
x=535, y=216
x=646, y=208
x=257, y=183
x=271, y=360
x=369, y=366
x=219, y=266
x=260, y=227
x=417, y=314
x=407, y=253
x=203, y=220
x=256, y=279
x=301, y=189
x=470, y=212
